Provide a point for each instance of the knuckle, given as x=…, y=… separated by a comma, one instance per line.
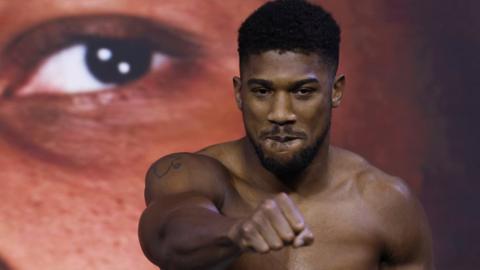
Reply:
x=269, y=205
x=247, y=228
x=258, y=219
x=288, y=237
x=282, y=196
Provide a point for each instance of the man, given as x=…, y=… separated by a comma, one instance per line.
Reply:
x=282, y=197
x=74, y=152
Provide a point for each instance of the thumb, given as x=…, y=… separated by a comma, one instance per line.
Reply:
x=304, y=238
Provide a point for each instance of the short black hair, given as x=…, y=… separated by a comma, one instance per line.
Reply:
x=290, y=25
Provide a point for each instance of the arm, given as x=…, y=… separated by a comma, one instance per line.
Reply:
x=405, y=231
x=181, y=227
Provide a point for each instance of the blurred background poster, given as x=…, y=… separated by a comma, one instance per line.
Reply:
x=92, y=92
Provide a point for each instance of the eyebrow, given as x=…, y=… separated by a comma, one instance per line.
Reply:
x=269, y=84
x=299, y=83
x=78, y=28
x=262, y=82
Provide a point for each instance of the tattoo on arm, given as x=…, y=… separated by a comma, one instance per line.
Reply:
x=173, y=164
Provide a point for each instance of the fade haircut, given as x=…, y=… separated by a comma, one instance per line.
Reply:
x=290, y=25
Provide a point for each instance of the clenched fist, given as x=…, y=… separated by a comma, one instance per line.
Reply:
x=275, y=223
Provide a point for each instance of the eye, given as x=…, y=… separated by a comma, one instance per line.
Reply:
x=94, y=65
x=83, y=54
x=261, y=92
x=303, y=92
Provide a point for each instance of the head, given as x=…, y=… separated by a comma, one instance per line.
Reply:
x=289, y=52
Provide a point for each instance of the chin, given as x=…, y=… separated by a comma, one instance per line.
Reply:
x=286, y=163
x=287, y=158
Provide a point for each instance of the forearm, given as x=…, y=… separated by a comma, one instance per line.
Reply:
x=190, y=237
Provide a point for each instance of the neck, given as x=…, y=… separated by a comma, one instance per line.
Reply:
x=303, y=183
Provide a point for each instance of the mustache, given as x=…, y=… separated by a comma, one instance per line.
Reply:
x=286, y=131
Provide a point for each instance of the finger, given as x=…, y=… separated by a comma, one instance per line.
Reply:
x=305, y=238
x=291, y=212
x=244, y=245
x=253, y=239
x=278, y=221
x=268, y=232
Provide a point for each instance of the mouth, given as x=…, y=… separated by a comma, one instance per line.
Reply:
x=279, y=143
x=281, y=139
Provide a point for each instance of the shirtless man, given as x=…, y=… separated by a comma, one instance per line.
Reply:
x=282, y=197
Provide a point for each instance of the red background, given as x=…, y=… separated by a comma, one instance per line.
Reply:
x=411, y=108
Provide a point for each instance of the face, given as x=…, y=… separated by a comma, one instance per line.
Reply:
x=286, y=100
x=91, y=93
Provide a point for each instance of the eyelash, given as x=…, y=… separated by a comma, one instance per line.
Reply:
x=297, y=92
x=92, y=66
x=258, y=91
x=308, y=91
x=27, y=53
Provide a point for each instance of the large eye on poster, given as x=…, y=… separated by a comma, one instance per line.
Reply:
x=92, y=92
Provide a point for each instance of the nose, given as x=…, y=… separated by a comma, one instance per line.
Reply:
x=281, y=112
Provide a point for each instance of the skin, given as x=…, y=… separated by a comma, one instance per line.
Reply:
x=220, y=208
x=72, y=164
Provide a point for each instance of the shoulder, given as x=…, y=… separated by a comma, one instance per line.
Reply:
x=400, y=220
x=377, y=188
x=188, y=161
x=186, y=172
x=223, y=152
x=384, y=192
x=390, y=199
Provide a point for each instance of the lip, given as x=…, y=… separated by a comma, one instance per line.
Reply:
x=282, y=139
x=282, y=143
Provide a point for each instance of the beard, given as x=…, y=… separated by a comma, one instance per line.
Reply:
x=294, y=165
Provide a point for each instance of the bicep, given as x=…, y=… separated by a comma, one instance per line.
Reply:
x=409, y=252
x=158, y=213
x=408, y=244
x=179, y=182
x=185, y=175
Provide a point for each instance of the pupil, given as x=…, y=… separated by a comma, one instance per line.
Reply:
x=118, y=61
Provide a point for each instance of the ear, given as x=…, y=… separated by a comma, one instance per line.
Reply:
x=237, y=86
x=337, y=90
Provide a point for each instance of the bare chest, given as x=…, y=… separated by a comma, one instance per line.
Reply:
x=345, y=238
